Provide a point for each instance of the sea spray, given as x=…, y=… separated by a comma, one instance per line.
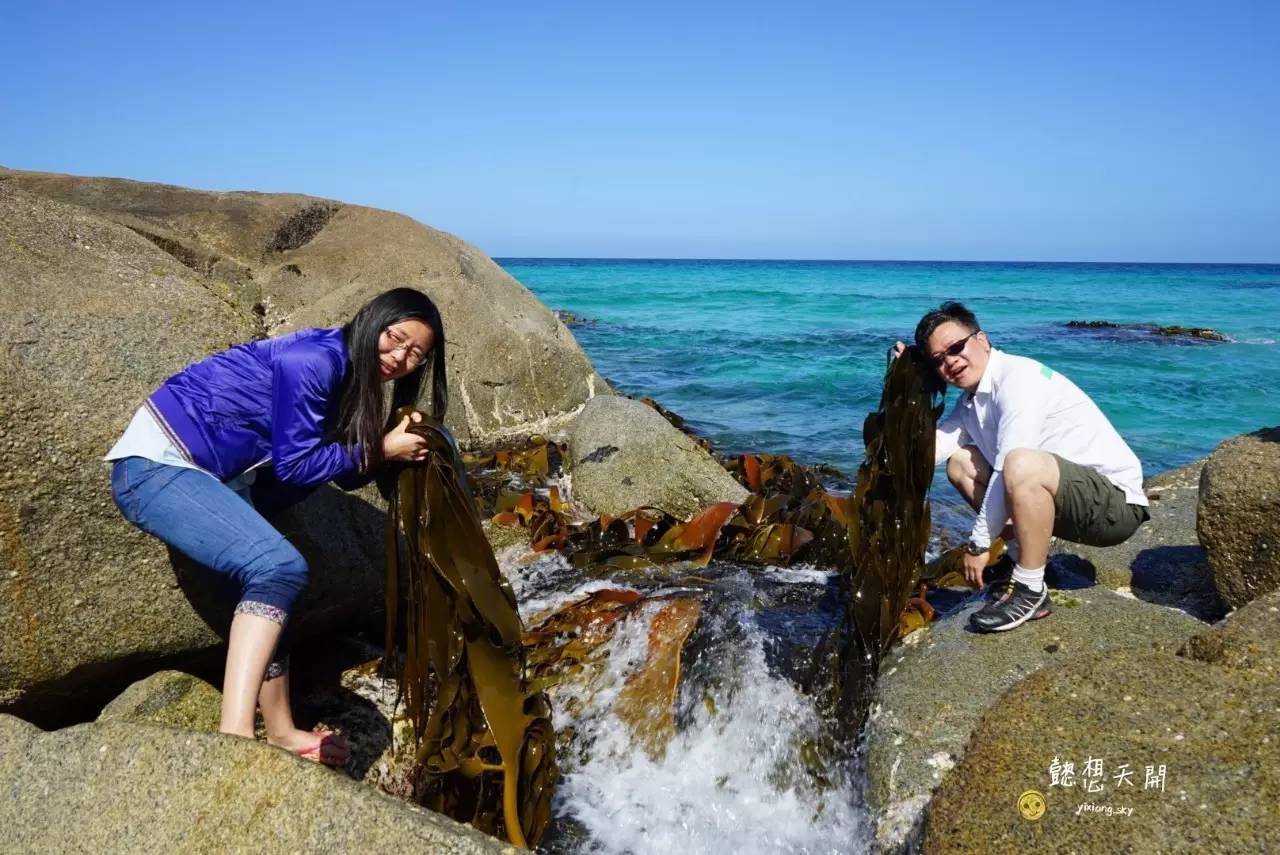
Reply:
x=734, y=777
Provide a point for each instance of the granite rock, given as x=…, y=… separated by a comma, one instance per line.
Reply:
x=1163, y=561
x=115, y=786
x=1239, y=515
x=920, y=723
x=624, y=455
x=1211, y=727
x=1247, y=640
x=168, y=697
x=110, y=286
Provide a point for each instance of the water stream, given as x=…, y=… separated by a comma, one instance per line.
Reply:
x=736, y=775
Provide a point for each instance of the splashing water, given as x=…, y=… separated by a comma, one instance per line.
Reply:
x=732, y=777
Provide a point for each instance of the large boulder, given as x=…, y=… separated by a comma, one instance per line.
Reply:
x=107, y=287
x=1163, y=562
x=624, y=455
x=1239, y=518
x=919, y=724
x=94, y=316
x=115, y=786
x=1210, y=726
x=296, y=261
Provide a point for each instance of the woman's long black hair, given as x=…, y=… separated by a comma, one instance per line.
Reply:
x=363, y=418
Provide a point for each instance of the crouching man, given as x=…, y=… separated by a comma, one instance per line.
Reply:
x=1033, y=455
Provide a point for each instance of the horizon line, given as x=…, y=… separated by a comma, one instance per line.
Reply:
x=879, y=260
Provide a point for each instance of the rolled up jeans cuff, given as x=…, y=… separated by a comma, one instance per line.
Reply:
x=275, y=614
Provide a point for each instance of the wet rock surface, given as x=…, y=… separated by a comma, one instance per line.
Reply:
x=1205, y=727
x=1163, y=562
x=934, y=688
x=150, y=788
x=1239, y=515
x=624, y=455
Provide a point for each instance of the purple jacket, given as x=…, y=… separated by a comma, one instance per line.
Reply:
x=274, y=398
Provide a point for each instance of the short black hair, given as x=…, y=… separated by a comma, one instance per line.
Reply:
x=948, y=311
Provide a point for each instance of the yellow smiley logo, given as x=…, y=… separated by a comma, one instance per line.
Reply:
x=1031, y=805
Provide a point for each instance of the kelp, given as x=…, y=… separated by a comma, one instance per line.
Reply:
x=567, y=646
x=560, y=644
x=790, y=518
x=888, y=526
x=647, y=700
x=801, y=521
x=947, y=570
x=485, y=745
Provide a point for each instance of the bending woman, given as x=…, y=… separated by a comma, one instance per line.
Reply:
x=299, y=410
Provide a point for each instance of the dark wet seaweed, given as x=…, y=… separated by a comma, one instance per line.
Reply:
x=485, y=746
x=888, y=528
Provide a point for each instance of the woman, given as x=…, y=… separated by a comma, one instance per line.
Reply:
x=307, y=408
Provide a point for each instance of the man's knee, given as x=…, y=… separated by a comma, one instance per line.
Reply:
x=967, y=466
x=1027, y=467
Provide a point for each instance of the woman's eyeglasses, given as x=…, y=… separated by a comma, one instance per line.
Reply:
x=413, y=354
x=953, y=349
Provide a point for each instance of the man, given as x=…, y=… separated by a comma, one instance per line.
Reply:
x=1032, y=454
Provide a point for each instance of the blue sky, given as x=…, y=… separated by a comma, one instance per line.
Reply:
x=950, y=130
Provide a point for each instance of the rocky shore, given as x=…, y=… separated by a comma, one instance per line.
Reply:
x=111, y=286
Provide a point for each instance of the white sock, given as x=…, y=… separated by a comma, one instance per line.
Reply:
x=1012, y=549
x=1032, y=577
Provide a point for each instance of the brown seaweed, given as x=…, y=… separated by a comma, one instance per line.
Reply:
x=485, y=745
x=647, y=700
x=889, y=527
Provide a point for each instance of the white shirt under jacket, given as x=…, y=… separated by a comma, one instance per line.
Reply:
x=1020, y=403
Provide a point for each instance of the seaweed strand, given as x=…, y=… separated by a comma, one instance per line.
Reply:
x=485, y=747
x=888, y=526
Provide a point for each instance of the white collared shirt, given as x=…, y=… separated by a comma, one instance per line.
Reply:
x=1020, y=403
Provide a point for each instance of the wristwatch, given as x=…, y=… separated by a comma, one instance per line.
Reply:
x=974, y=549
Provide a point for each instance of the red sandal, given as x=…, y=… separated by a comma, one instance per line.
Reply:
x=316, y=753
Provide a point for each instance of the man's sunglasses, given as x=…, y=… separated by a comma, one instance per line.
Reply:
x=953, y=349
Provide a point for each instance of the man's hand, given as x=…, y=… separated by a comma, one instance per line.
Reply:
x=401, y=445
x=973, y=567
x=898, y=349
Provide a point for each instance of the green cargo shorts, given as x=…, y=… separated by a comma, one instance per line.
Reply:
x=1090, y=509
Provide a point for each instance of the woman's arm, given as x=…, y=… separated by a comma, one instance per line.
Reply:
x=303, y=383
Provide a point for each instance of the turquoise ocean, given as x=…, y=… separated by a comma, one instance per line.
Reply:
x=788, y=356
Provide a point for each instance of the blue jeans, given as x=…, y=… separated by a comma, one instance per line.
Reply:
x=217, y=528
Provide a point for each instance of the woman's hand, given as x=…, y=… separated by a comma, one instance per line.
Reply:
x=403, y=446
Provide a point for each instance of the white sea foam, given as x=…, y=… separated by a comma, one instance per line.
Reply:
x=800, y=573
x=538, y=584
x=729, y=781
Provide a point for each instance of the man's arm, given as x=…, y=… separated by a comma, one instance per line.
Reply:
x=949, y=437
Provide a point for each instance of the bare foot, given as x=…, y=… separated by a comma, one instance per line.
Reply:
x=331, y=749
